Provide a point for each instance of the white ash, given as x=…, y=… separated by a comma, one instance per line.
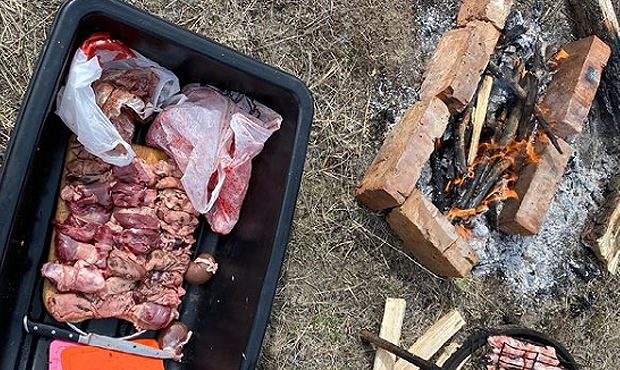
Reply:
x=556, y=256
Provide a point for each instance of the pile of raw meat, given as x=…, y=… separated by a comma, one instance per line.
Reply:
x=125, y=246
x=512, y=354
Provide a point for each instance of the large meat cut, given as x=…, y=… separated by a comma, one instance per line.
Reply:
x=124, y=243
x=512, y=354
x=213, y=137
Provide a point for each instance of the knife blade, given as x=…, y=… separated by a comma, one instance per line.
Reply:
x=96, y=340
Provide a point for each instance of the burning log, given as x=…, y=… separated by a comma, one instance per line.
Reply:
x=535, y=187
x=603, y=233
x=597, y=17
x=479, y=115
x=496, y=170
x=493, y=11
x=509, y=131
x=459, y=154
x=398, y=165
x=528, y=107
x=454, y=72
x=568, y=98
x=522, y=94
x=430, y=237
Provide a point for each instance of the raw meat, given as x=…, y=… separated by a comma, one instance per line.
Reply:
x=126, y=265
x=69, y=250
x=511, y=353
x=152, y=316
x=76, y=278
x=70, y=307
x=85, y=194
x=123, y=249
x=132, y=195
x=137, y=172
x=139, y=218
x=213, y=138
x=78, y=229
x=139, y=241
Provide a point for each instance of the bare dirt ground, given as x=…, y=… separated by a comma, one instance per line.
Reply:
x=363, y=60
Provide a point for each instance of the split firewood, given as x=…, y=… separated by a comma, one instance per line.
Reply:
x=393, y=316
x=448, y=351
x=603, y=232
x=433, y=339
x=479, y=115
x=598, y=17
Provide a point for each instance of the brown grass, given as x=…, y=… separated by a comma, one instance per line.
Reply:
x=342, y=260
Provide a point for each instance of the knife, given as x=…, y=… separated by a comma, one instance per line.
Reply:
x=101, y=341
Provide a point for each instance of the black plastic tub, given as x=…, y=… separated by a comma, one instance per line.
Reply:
x=229, y=315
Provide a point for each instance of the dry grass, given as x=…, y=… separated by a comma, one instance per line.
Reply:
x=342, y=260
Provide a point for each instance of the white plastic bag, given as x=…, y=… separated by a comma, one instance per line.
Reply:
x=213, y=136
x=77, y=104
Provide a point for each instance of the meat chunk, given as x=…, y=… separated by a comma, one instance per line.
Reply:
x=116, y=305
x=70, y=307
x=138, y=172
x=76, y=278
x=86, y=194
x=177, y=200
x=169, y=183
x=137, y=81
x=151, y=316
x=126, y=265
x=138, y=218
x=70, y=250
x=87, y=167
x=172, y=241
x=167, y=168
x=169, y=279
x=78, y=229
x=139, y=241
x=132, y=195
x=227, y=208
x=161, y=260
x=162, y=295
x=177, y=219
x=93, y=213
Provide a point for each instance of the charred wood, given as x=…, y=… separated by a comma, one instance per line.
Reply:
x=531, y=83
x=459, y=150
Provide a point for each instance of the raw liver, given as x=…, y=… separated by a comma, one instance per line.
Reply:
x=536, y=187
x=397, y=167
x=430, y=237
x=454, y=71
x=570, y=94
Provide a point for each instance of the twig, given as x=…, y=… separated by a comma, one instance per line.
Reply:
x=460, y=161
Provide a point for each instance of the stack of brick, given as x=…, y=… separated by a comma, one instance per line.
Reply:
x=450, y=82
x=565, y=107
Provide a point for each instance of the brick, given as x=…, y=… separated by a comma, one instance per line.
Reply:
x=568, y=98
x=454, y=71
x=536, y=188
x=429, y=236
x=494, y=11
x=396, y=169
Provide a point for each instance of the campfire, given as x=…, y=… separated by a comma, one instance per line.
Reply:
x=489, y=142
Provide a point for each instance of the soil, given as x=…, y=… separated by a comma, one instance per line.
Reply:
x=363, y=61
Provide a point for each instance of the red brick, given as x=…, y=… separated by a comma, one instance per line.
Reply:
x=494, y=11
x=454, y=71
x=429, y=236
x=393, y=174
x=570, y=94
x=536, y=188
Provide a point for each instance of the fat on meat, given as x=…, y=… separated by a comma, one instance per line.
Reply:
x=176, y=260
x=93, y=213
x=211, y=135
x=77, y=278
x=169, y=182
x=176, y=200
